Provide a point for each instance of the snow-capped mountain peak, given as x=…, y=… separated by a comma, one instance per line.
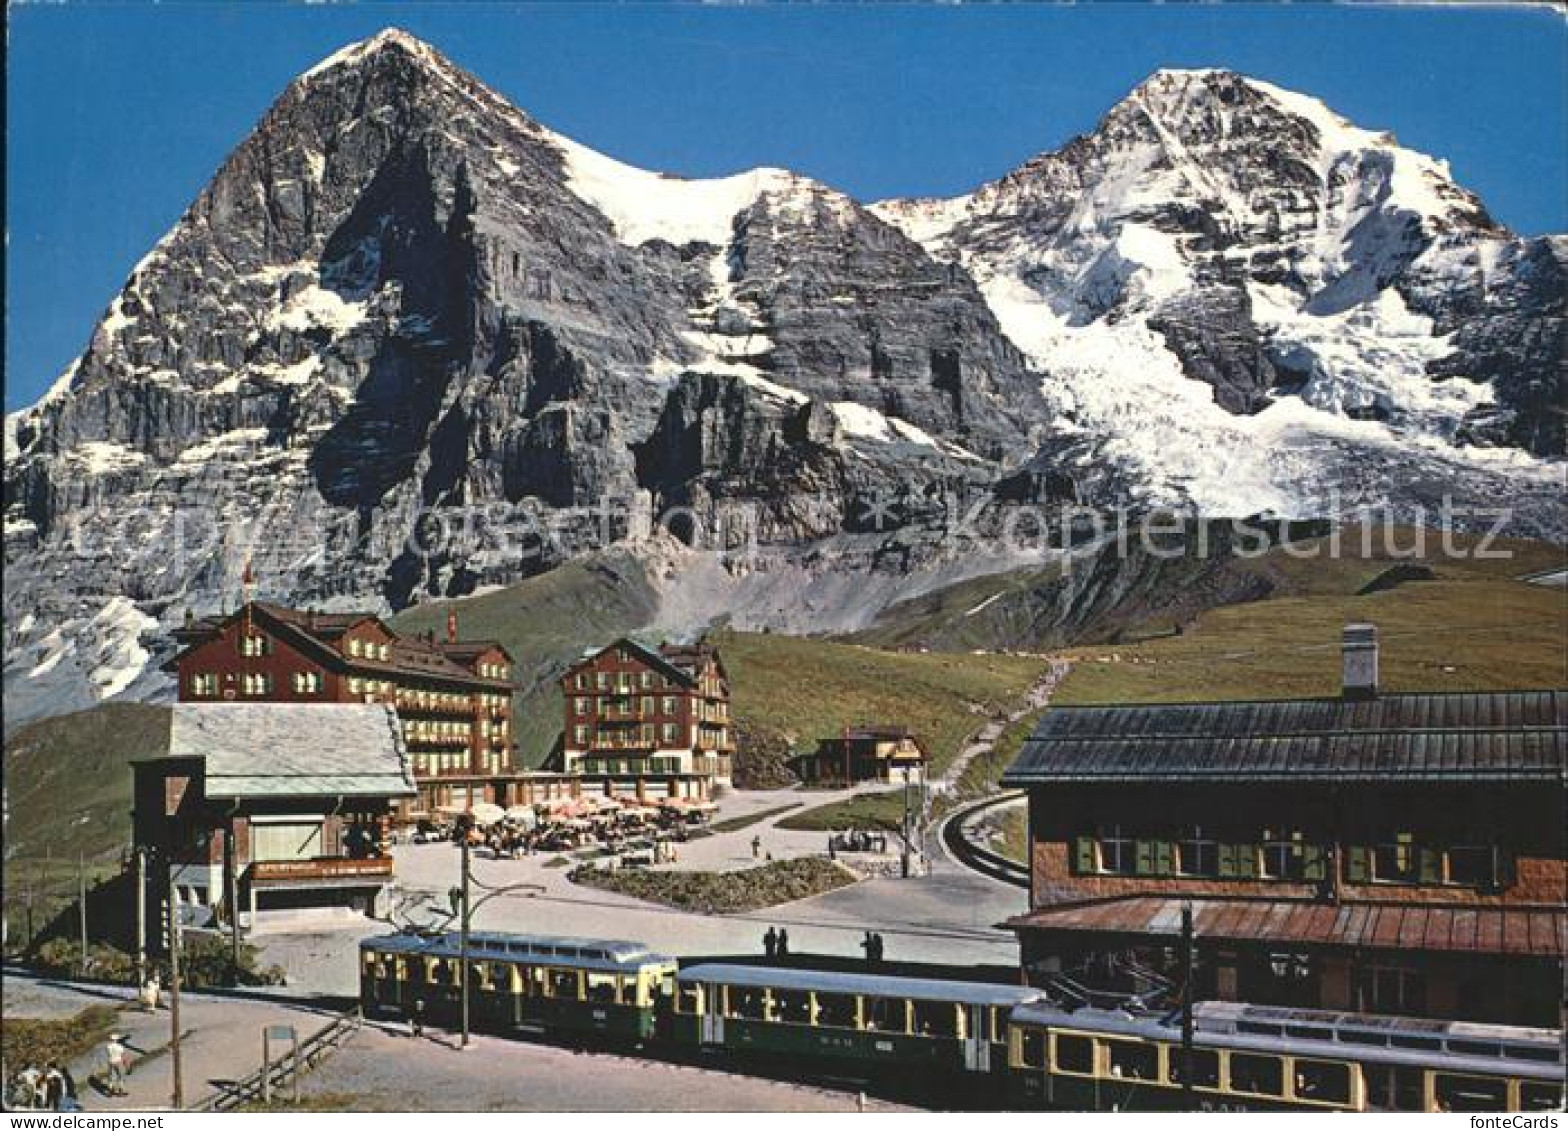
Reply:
x=402, y=293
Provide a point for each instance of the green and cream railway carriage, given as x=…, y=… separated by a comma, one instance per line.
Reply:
x=857, y=1020
x=520, y=983
x=1261, y=1058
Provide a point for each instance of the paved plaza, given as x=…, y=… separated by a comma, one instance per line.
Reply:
x=948, y=916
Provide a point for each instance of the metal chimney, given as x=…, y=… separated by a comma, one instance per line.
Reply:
x=1360, y=652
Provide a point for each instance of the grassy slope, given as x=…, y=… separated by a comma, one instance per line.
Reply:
x=68, y=788
x=1448, y=635
x=546, y=622
x=1017, y=609
x=806, y=689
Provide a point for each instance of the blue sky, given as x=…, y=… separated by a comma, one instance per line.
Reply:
x=118, y=115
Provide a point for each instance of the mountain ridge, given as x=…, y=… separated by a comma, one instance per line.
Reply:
x=410, y=342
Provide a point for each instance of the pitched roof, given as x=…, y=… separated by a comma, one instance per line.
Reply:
x=1386, y=926
x=293, y=749
x=316, y=634
x=1465, y=736
x=653, y=657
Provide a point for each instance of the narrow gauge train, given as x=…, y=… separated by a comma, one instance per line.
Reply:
x=599, y=988
x=1263, y=1058
x=1011, y=1044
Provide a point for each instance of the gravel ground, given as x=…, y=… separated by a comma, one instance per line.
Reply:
x=221, y=1037
x=947, y=917
x=382, y=1070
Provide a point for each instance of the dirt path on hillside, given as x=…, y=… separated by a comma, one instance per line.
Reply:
x=1037, y=697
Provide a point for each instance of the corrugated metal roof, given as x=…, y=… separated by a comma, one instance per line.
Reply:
x=1381, y=926
x=545, y=950
x=1466, y=736
x=293, y=749
x=875, y=985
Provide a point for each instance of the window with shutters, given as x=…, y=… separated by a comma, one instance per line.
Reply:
x=1284, y=855
x=286, y=841
x=1118, y=851
x=1396, y=860
x=1198, y=854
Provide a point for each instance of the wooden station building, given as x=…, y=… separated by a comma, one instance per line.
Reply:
x=453, y=697
x=888, y=754
x=262, y=805
x=1380, y=853
x=649, y=720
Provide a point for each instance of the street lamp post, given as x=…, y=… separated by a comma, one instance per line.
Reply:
x=464, y=909
x=463, y=939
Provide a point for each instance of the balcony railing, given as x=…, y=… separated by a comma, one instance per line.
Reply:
x=323, y=868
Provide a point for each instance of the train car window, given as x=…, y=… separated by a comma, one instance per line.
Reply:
x=1546, y=1054
x=793, y=1007
x=603, y=988
x=1536, y=1096
x=479, y=976
x=1133, y=1060
x=1471, y=1093
x=836, y=1010
x=1393, y=1087
x=748, y=1002
x=993, y=1022
x=1257, y=1075
x=1205, y=1067
x=1323, y=1081
x=885, y=1014
x=1074, y=1054
x=688, y=998
x=1031, y=1048
x=563, y=983
x=1476, y=1048
x=936, y=1018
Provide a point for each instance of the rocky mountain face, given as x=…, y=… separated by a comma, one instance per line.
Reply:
x=1237, y=297
x=411, y=342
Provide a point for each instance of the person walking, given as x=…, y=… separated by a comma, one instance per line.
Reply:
x=116, y=1061
x=770, y=942
x=416, y=1019
x=54, y=1087
x=783, y=943
x=756, y=847
x=68, y=1097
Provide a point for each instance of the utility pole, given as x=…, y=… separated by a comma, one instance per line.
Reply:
x=81, y=906
x=141, y=916
x=231, y=875
x=174, y=1000
x=463, y=941
x=1189, y=963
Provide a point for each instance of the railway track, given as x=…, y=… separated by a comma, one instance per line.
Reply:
x=975, y=857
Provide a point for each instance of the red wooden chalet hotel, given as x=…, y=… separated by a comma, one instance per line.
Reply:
x=635, y=712
x=453, y=697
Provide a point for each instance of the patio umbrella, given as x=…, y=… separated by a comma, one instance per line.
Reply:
x=487, y=814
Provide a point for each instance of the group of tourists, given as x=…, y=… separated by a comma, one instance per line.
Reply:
x=50, y=1088
x=775, y=943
